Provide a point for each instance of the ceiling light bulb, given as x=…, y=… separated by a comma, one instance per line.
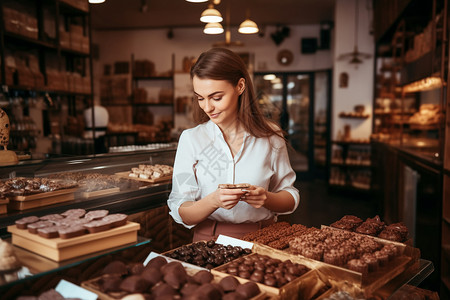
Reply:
x=96, y=1
x=269, y=77
x=248, y=27
x=196, y=1
x=213, y=28
x=211, y=15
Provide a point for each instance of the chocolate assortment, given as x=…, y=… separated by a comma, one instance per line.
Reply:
x=345, y=249
x=208, y=254
x=160, y=279
x=71, y=223
x=396, y=232
x=264, y=269
x=91, y=182
x=276, y=235
x=23, y=186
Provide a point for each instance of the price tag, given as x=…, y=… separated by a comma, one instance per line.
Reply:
x=227, y=240
x=70, y=290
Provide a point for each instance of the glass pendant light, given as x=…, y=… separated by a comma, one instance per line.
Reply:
x=211, y=15
x=96, y=1
x=248, y=27
x=213, y=28
x=197, y=1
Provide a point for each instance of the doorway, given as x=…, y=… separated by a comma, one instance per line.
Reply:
x=300, y=103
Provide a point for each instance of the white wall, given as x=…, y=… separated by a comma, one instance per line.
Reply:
x=155, y=46
x=360, y=84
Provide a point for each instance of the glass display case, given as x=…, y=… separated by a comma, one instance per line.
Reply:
x=410, y=89
x=102, y=182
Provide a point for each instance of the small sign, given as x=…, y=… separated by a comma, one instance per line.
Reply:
x=227, y=240
x=70, y=290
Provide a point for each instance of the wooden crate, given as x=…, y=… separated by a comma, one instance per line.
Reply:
x=367, y=283
x=93, y=285
x=58, y=249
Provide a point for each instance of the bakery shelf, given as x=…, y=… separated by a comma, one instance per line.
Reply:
x=152, y=78
x=351, y=165
x=35, y=265
x=350, y=142
x=153, y=104
x=350, y=116
x=69, y=9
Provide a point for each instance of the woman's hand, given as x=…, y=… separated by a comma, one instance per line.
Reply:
x=228, y=198
x=256, y=196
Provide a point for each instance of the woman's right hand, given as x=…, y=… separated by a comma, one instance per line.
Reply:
x=228, y=198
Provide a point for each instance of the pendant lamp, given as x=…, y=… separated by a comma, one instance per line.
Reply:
x=248, y=27
x=213, y=28
x=211, y=15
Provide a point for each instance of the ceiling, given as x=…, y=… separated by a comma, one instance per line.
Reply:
x=155, y=14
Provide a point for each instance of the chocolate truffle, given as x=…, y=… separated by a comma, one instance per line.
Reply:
x=248, y=289
x=110, y=282
x=176, y=277
x=156, y=262
x=210, y=291
x=233, y=296
x=134, y=284
x=189, y=289
x=163, y=289
x=152, y=275
x=135, y=268
x=203, y=276
x=229, y=283
x=115, y=267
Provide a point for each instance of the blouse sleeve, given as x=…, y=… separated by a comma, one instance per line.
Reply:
x=184, y=183
x=284, y=177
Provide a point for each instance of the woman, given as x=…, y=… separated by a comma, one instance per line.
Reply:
x=234, y=144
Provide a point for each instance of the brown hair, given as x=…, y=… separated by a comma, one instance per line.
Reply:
x=224, y=64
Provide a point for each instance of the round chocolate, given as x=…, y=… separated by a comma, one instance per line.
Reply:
x=156, y=262
x=248, y=289
x=203, y=276
x=229, y=283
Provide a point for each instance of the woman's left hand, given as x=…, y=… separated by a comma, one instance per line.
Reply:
x=256, y=196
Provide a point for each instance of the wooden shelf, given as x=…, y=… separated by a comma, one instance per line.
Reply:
x=350, y=143
x=153, y=104
x=152, y=78
x=350, y=116
x=356, y=166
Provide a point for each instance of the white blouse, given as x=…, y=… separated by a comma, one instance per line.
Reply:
x=204, y=160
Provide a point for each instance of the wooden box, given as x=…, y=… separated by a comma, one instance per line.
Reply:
x=304, y=287
x=366, y=283
x=58, y=249
x=93, y=285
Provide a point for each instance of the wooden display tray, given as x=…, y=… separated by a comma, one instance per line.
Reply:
x=104, y=192
x=367, y=283
x=93, y=285
x=41, y=199
x=58, y=249
x=161, y=179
